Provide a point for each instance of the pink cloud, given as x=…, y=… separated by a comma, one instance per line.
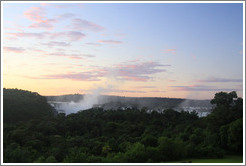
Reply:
x=72, y=56
x=81, y=76
x=128, y=77
x=15, y=27
x=157, y=91
x=71, y=76
x=88, y=55
x=200, y=88
x=110, y=41
x=120, y=34
x=110, y=90
x=40, y=35
x=76, y=57
x=46, y=24
x=130, y=72
x=144, y=87
x=81, y=25
x=44, y=4
x=93, y=44
x=170, y=51
x=37, y=15
x=14, y=49
x=55, y=43
x=68, y=35
x=219, y=80
x=139, y=71
x=37, y=50
x=64, y=5
x=66, y=15
x=127, y=91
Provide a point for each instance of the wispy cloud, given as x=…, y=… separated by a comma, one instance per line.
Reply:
x=82, y=24
x=71, y=76
x=129, y=72
x=158, y=91
x=144, y=87
x=170, y=51
x=136, y=71
x=36, y=50
x=55, y=43
x=139, y=71
x=126, y=91
x=137, y=60
x=66, y=15
x=68, y=35
x=201, y=88
x=112, y=90
x=14, y=49
x=91, y=75
x=71, y=56
x=62, y=5
x=38, y=35
x=120, y=34
x=88, y=55
x=93, y=44
x=37, y=15
x=14, y=27
x=46, y=24
x=110, y=41
x=213, y=79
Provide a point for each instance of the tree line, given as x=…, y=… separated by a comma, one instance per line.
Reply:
x=33, y=132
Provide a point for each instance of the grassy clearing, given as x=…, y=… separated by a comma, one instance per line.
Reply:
x=226, y=159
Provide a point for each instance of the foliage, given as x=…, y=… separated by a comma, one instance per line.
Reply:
x=121, y=136
x=20, y=105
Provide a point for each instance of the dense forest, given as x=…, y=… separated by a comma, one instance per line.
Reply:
x=34, y=132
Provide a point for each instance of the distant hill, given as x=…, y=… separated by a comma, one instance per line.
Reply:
x=21, y=105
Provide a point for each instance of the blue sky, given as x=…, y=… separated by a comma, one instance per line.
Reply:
x=181, y=50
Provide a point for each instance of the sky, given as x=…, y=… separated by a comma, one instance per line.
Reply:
x=176, y=50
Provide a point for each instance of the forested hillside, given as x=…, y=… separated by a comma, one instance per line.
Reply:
x=20, y=105
x=131, y=135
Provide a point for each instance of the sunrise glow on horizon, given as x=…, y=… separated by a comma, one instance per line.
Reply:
x=178, y=50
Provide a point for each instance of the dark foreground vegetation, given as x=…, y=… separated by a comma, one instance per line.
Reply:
x=34, y=133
